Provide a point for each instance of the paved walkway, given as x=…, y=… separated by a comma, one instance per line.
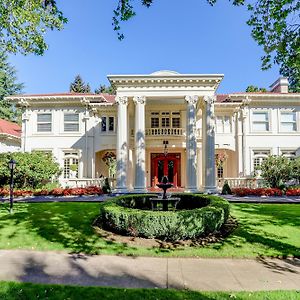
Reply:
x=254, y=199
x=150, y=272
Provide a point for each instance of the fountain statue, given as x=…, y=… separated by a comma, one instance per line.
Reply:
x=164, y=185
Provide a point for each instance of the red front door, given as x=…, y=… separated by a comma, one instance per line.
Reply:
x=169, y=166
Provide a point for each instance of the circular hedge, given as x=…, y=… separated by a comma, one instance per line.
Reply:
x=196, y=214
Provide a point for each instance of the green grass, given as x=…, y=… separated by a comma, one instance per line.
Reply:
x=28, y=291
x=269, y=230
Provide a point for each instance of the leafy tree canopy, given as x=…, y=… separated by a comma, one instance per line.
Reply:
x=103, y=89
x=33, y=169
x=253, y=88
x=8, y=86
x=23, y=24
x=79, y=86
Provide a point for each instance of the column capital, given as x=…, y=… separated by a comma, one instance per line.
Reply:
x=139, y=99
x=191, y=99
x=209, y=99
x=122, y=100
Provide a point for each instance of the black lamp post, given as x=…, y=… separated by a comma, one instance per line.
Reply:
x=11, y=165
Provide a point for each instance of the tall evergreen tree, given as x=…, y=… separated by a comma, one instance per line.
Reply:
x=8, y=86
x=111, y=89
x=79, y=86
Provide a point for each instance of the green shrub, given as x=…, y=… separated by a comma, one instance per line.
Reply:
x=106, y=187
x=226, y=190
x=128, y=215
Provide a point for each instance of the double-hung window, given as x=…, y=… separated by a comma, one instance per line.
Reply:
x=223, y=124
x=260, y=121
x=71, y=122
x=288, y=121
x=107, y=124
x=44, y=122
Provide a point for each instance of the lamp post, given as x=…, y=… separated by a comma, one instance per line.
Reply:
x=11, y=165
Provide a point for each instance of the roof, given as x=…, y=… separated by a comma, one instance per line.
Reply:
x=106, y=97
x=10, y=128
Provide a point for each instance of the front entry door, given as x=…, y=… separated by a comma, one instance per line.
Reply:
x=169, y=166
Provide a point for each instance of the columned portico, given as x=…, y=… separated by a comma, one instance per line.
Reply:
x=208, y=145
x=140, y=151
x=191, y=144
x=122, y=144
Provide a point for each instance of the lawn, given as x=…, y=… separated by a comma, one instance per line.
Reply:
x=28, y=291
x=269, y=230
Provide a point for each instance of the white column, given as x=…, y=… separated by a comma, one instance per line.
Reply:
x=191, y=144
x=208, y=146
x=122, y=144
x=140, y=151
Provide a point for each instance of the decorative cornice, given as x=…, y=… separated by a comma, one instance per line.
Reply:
x=139, y=99
x=122, y=100
x=192, y=100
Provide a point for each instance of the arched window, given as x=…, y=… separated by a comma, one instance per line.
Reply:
x=71, y=162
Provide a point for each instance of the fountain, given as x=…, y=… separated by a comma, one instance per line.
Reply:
x=164, y=185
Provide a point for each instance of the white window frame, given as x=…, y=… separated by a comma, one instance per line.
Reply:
x=107, y=131
x=260, y=154
x=167, y=115
x=288, y=153
x=51, y=122
x=74, y=155
x=268, y=122
x=71, y=122
x=222, y=117
x=281, y=112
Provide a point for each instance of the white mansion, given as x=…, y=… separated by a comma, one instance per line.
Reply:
x=161, y=124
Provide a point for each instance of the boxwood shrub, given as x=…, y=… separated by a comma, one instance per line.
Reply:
x=197, y=215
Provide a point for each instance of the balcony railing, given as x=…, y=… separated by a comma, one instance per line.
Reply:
x=160, y=131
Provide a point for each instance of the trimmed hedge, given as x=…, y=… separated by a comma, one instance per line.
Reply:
x=129, y=215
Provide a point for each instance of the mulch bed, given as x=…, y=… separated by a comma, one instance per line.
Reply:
x=201, y=241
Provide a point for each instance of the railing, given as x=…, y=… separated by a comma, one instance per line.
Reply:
x=83, y=182
x=240, y=182
x=165, y=131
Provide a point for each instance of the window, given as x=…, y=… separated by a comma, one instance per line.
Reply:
x=44, y=122
x=176, y=119
x=71, y=163
x=154, y=120
x=260, y=121
x=107, y=124
x=71, y=122
x=223, y=124
x=220, y=171
x=103, y=124
x=288, y=121
x=290, y=154
x=259, y=157
x=165, y=120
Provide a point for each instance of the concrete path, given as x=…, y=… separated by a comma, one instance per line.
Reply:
x=150, y=272
x=254, y=199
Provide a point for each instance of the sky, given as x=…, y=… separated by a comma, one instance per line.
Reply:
x=185, y=36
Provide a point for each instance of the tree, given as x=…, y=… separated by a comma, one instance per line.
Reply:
x=103, y=89
x=33, y=169
x=275, y=26
x=78, y=86
x=252, y=88
x=23, y=24
x=276, y=170
x=8, y=86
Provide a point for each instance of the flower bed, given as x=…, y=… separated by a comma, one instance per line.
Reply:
x=242, y=192
x=293, y=192
x=58, y=192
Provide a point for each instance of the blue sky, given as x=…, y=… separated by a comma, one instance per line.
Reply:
x=185, y=36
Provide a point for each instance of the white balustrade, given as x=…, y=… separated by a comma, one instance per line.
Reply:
x=84, y=182
x=240, y=182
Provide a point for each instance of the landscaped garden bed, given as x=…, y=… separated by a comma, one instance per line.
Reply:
x=243, y=191
x=195, y=215
x=57, y=192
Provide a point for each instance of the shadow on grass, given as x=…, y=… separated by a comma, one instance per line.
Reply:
x=260, y=225
x=67, y=224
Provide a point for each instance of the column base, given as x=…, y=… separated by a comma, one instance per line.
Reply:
x=210, y=190
x=120, y=190
x=139, y=190
x=191, y=190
